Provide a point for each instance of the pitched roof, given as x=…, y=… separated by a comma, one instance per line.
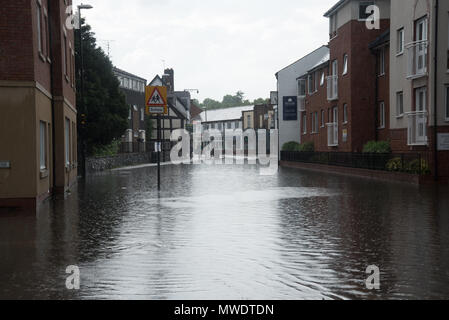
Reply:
x=226, y=114
x=125, y=73
x=316, y=51
x=335, y=7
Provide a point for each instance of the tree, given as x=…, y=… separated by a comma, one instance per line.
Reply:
x=103, y=117
x=230, y=101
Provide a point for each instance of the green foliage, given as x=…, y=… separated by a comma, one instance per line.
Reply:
x=294, y=146
x=416, y=166
x=395, y=165
x=307, y=147
x=291, y=146
x=106, y=151
x=148, y=127
x=230, y=101
x=104, y=105
x=377, y=147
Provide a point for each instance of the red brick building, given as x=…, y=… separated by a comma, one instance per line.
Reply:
x=37, y=101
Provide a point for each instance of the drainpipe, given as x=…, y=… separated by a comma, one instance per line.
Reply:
x=435, y=88
x=53, y=130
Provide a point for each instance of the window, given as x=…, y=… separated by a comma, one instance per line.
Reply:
x=400, y=41
x=314, y=117
x=47, y=35
x=448, y=48
x=363, y=6
x=322, y=79
x=43, y=145
x=382, y=115
x=322, y=119
x=229, y=125
x=345, y=113
x=421, y=99
x=301, y=87
x=67, y=141
x=345, y=64
x=335, y=114
x=39, y=28
x=248, y=121
x=126, y=82
x=312, y=83
x=447, y=102
x=129, y=113
x=304, y=123
x=382, y=62
x=399, y=104
x=142, y=114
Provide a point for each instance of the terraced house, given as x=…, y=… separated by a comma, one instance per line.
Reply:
x=37, y=102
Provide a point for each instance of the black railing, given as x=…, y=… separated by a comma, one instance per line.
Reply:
x=414, y=163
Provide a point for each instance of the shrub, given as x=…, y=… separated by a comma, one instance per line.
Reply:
x=291, y=146
x=394, y=164
x=377, y=147
x=108, y=150
x=307, y=147
x=418, y=167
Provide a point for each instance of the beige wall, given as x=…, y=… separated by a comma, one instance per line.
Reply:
x=19, y=129
x=247, y=124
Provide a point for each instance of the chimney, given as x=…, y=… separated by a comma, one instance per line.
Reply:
x=169, y=79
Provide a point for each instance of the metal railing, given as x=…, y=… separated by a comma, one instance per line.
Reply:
x=332, y=134
x=417, y=59
x=413, y=163
x=417, y=128
x=332, y=88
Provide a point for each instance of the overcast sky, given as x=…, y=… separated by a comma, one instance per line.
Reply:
x=216, y=46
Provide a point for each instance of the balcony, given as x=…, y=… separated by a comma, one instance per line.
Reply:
x=417, y=59
x=417, y=128
x=332, y=88
x=302, y=103
x=332, y=134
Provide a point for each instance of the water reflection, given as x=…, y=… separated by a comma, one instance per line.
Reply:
x=228, y=233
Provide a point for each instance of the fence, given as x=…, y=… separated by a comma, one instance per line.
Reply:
x=414, y=163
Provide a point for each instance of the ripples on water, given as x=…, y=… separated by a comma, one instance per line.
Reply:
x=229, y=233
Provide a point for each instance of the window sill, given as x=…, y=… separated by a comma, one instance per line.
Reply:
x=49, y=60
x=400, y=54
x=345, y=123
x=401, y=116
x=380, y=128
x=381, y=75
x=43, y=174
x=67, y=79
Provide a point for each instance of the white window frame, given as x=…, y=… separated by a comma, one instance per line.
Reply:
x=382, y=118
x=142, y=114
x=323, y=77
x=43, y=145
x=345, y=64
x=302, y=87
x=39, y=27
x=399, y=106
x=418, y=91
x=323, y=122
x=400, y=43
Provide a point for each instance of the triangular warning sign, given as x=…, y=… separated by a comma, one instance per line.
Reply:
x=156, y=99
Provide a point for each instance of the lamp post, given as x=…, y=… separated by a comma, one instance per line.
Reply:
x=83, y=108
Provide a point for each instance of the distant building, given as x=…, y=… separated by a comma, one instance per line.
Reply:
x=38, y=116
x=133, y=88
x=222, y=119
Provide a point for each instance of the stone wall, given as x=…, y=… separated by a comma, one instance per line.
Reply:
x=121, y=160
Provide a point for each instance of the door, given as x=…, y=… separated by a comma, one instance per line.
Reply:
x=421, y=46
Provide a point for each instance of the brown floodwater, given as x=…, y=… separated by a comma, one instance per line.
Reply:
x=226, y=232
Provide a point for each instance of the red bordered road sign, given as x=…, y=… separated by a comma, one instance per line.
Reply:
x=156, y=100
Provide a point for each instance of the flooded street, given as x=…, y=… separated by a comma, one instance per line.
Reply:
x=225, y=232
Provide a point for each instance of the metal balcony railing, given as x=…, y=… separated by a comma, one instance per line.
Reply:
x=332, y=88
x=417, y=128
x=302, y=103
x=417, y=59
x=332, y=134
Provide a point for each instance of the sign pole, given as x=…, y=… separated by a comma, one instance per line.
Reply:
x=159, y=152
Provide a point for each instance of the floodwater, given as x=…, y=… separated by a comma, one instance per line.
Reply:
x=226, y=232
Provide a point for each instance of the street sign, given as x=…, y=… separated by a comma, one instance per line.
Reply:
x=156, y=100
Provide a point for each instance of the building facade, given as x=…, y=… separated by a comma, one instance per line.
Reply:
x=133, y=87
x=38, y=145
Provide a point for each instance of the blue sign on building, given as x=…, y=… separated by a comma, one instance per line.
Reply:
x=290, y=108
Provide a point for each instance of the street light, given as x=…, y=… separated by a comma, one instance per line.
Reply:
x=83, y=109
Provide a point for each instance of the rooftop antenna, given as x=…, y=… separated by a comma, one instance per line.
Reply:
x=108, y=46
